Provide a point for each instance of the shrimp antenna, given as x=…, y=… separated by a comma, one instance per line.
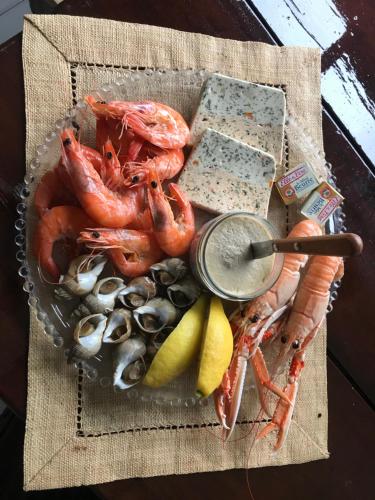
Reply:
x=42, y=277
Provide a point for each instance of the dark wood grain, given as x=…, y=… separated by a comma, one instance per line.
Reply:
x=351, y=342
x=13, y=306
x=343, y=30
x=355, y=52
x=224, y=18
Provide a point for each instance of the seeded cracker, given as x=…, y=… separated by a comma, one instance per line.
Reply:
x=251, y=113
x=223, y=174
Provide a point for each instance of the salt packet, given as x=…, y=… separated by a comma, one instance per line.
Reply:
x=321, y=204
x=297, y=183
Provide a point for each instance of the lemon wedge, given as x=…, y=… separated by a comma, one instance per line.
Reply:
x=217, y=349
x=181, y=347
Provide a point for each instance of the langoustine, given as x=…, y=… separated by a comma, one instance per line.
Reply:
x=305, y=319
x=251, y=326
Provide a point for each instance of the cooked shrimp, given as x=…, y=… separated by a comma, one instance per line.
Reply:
x=131, y=251
x=95, y=158
x=55, y=187
x=167, y=165
x=104, y=206
x=114, y=178
x=56, y=224
x=153, y=121
x=105, y=129
x=143, y=221
x=135, y=147
x=173, y=235
x=126, y=143
x=148, y=151
x=52, y=192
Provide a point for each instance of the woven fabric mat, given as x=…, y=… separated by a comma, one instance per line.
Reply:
x=80, y=433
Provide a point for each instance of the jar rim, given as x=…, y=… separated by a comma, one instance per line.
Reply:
x=202, y=267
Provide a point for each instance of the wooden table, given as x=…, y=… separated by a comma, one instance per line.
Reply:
x=351, y=341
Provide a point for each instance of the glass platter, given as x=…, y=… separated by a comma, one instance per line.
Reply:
x=55, y=315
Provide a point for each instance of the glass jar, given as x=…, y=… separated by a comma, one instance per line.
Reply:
x=199, y=256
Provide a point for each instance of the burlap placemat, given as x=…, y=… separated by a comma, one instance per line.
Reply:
x=80, y=433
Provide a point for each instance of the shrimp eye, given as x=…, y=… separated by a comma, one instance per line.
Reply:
x=67, y=141
x=95, y=234
x=284, y=339
x=295, y=344
x=135, y=178
x=109, y=155
x=154, y=184
x=255, y=318
x=101, y=102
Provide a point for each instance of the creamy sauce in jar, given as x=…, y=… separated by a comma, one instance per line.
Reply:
x=227, y=260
